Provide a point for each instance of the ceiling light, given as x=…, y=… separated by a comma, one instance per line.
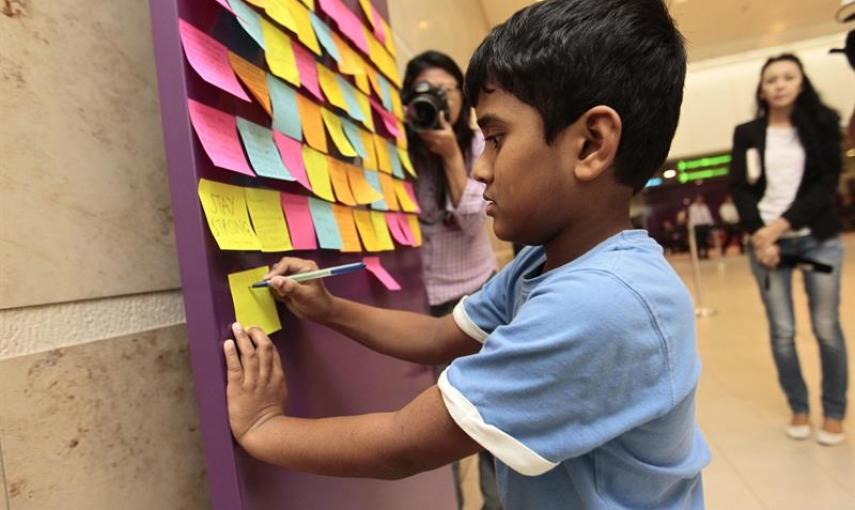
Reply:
x=669, y=174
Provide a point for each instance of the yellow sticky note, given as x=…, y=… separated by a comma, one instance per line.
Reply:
x=401, y=140
x=415, y=228
x=346, y=228
x=405, y=160
x=280, y=56
x=368, y=142
x=384, y=161
x=329, y=85
x=268, y=221
x=390, y=43
x=303, y=23
x=381, y=230
x=258, y=3
x=333, y=123
x=338, y=176
x=387, y=186
x=397, y=106
x=404, y=198
x=363, y=193
x=365, y=108
x=281, y=13
x=310, y=4
x=319, y=176
x=254, y=307
x=313, y=124
x=225, y=210
x=254, y=78
x=366, y=230
x=362, y=82
x=374, y=80
x=349, y=63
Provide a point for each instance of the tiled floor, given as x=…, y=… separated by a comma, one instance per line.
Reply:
x=741, y=410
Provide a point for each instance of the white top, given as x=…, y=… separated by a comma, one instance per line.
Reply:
x=785, y=166
x=728, y=213
x=699, y=214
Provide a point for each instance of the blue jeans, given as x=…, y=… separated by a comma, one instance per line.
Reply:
x=823, y=291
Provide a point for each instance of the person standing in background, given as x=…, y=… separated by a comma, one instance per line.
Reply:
x=730, y=223
x=701, y=220
x=457, y=256
x=785, y=169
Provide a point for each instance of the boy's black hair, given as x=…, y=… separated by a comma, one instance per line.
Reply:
x=563, y=57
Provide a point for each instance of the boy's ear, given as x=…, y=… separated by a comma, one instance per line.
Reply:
x=600, y=130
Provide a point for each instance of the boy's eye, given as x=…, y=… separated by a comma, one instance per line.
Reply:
x=495, y=140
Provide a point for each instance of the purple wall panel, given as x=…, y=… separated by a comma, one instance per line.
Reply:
x=328, y=375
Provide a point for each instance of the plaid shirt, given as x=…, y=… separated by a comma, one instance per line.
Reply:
x=457, y=255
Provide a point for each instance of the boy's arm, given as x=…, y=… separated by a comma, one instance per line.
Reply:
x=403, y=335
x=419, y=437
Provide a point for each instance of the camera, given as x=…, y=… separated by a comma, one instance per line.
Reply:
x=423, y=107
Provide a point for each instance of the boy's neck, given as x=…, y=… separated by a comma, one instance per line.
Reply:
x=577, y=239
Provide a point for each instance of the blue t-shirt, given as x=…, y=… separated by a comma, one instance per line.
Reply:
x=584, y=390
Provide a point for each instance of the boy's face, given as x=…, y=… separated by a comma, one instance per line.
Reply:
x=531, y=189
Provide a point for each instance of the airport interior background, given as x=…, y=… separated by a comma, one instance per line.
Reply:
x=101, y=312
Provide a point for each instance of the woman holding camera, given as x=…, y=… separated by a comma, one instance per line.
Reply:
x=457, y=256
x=784, y=175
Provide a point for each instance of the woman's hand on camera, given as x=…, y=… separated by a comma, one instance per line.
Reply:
x=441, y=141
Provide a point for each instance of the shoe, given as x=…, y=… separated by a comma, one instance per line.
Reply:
x=798, y=432
x=827, y=438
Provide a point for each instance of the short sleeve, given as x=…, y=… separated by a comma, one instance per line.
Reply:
x=581, y=363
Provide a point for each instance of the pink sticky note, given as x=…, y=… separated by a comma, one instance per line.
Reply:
x=373, y=264
x=225, y=4
x=406, y=231
x=389, y=120
x=348, y=23
x=292, y=155
x=299, y=218
x=408, y=186
x=307, y=67
x=395, y=229
x=210, y=59
x=218, y=133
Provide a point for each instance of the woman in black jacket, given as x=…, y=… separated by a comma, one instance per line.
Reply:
x=785, y=168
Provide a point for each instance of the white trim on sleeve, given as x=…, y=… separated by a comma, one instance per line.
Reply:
x=505, y=447
x=466, y=324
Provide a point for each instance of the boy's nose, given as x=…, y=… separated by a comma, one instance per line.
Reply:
x=481, y=170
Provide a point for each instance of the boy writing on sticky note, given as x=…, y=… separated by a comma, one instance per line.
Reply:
x=576, y=365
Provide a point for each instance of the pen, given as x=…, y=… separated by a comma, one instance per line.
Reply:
x=320, y=273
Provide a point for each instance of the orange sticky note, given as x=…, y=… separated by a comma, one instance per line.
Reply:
x=303, y=27
x=366, y=230
x=333, y=123
x=384, y=162
x=401, y=139
x=363, y=193
x=404, y=198
x=387, y=185
x=319, y=176
x=280, y=56
x=381, y=230
x=397, y=106
x=346, y=229
x=254, y=78
x=368, y=142
x=338, y=176
x=329, y=85
x=349, y=63
x=313, y=124
x=415, y=228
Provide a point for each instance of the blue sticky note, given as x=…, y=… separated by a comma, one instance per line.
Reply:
x=355, y=138
x=387, y=93
x=325, y=225
x=325, y=36
x=397, y=169
x=349, y=94
x=262, y=151
x=248, y=19
x=373, y=179
x=286, y=116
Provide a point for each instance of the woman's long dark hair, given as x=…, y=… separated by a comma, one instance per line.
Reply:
x=817, y=125
x=462, y=130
